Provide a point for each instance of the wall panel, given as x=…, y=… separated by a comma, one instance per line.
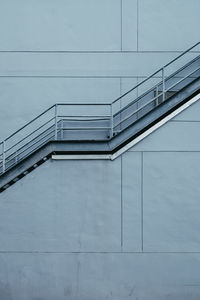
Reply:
x=171, y=201
x=168, y=25
x=131, y=201
x=75, y=206
x=72, y=25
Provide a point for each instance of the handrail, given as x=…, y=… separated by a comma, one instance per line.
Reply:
x=27, y=136
x=159, y=84
x=159, y=70
x=48, y=109
x=29, y=122
x=153, y=99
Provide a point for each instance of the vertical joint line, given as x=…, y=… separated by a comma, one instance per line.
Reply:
x=137, y=94
x=120, y=86
x=3, y=157
x=120, y=104
x=163, y=84
x=121, y=204
x=121, y=16
x=142, y=223
x=137, y=24
x=56, y=122
x=111, y=121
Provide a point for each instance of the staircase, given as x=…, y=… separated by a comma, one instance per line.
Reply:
x=101, y=130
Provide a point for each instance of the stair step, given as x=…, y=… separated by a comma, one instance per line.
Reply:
x=16, y=179
x=5, y=186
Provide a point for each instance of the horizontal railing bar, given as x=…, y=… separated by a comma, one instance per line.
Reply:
x=63, y=116
x=92, y=120
x=82, y=104
x=30, y=134
x=83, y=128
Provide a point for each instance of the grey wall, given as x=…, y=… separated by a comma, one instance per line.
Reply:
x=126, y=229
x=122, y=229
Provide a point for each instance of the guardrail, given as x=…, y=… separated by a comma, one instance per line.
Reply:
x=59, y=122
x=101, y=121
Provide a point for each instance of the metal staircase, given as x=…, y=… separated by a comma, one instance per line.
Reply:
x=100, y=128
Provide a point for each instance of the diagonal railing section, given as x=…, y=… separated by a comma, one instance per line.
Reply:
x=59, y=122
x=101, y=121
x=156, y=89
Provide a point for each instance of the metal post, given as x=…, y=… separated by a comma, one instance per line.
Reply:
x=163, y=84
x=157, y=95
x=111, y=120
x=62, y=129
x=16, y=153
x=56, y=122
x=3, y=157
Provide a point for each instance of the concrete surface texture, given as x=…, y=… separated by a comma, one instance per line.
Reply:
x=97, y=230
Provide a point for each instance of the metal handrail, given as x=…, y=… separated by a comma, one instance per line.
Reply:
x=103, y=104
x=148, y=91
x=153, y=99
x=48, y=109
x=185, y=77
x=19, y=150
x=26, y=145
x=27, y=136
x=159, y=70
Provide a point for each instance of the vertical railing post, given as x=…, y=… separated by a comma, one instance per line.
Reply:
x=163, y=84
x=157, y=96
x=62, y=130
x=111, y=120
x=3, y=156
x=56, y=122
x=16, y=153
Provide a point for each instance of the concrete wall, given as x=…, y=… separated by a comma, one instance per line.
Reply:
x=126, y=229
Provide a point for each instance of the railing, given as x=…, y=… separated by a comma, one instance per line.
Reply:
x=59, y=122
x=102, y=121
x=156, y=88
